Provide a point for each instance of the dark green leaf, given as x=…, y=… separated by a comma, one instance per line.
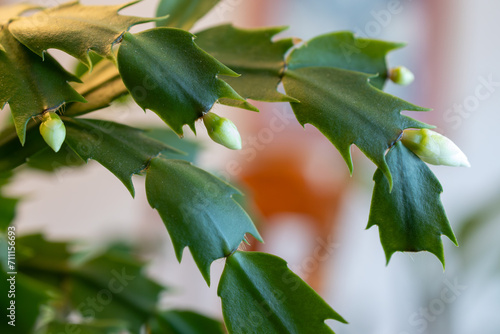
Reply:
x=12, y=11
x=198, y=210
x=30, y=295
x=12, y=153
x=344, y=50
x=94, y=327
x=184, y=322
x=62, y=28
x=348, y=110
x=411, y=217
x=166, y=72
x=124, y=278
x=100, y=87
x=7, y=212
x=252, y=54
x=123, y=150
x=31, y=85
x=181, y=13
x=261, y=295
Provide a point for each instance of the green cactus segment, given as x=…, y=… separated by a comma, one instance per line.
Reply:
x=346, y=51
x=261, y=295
x=53, y=130
x=222, y=131
x=411, y=217
x=166, y=72
x=198, y=210
x=348, y=110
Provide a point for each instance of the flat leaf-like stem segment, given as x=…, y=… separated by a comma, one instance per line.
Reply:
x=198, y=210
x=113, y=273
x=123, y=150
x=411, y=217
x=166, y=72
x=74, y=29
x=181, y=13
x=261, y=295
x=29, y=84
x=344, y=50
x=348, y=110
x=251, y=53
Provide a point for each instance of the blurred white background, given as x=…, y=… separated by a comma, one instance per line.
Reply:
x=453, y=50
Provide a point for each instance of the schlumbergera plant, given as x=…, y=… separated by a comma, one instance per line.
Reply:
x=333, y=82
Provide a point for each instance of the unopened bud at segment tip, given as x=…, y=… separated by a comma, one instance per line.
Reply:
x=401, y=75
x=434, y=148
x=222, y=131
x=53, y=130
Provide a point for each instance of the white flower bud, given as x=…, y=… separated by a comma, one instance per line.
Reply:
x=434, y=148
x=53, y=130
x=222, y=131
x=401, y=76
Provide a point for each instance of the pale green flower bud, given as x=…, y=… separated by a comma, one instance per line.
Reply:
x=401, y=75
x=434, y=148
x=222, y=131
x=53, y=130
